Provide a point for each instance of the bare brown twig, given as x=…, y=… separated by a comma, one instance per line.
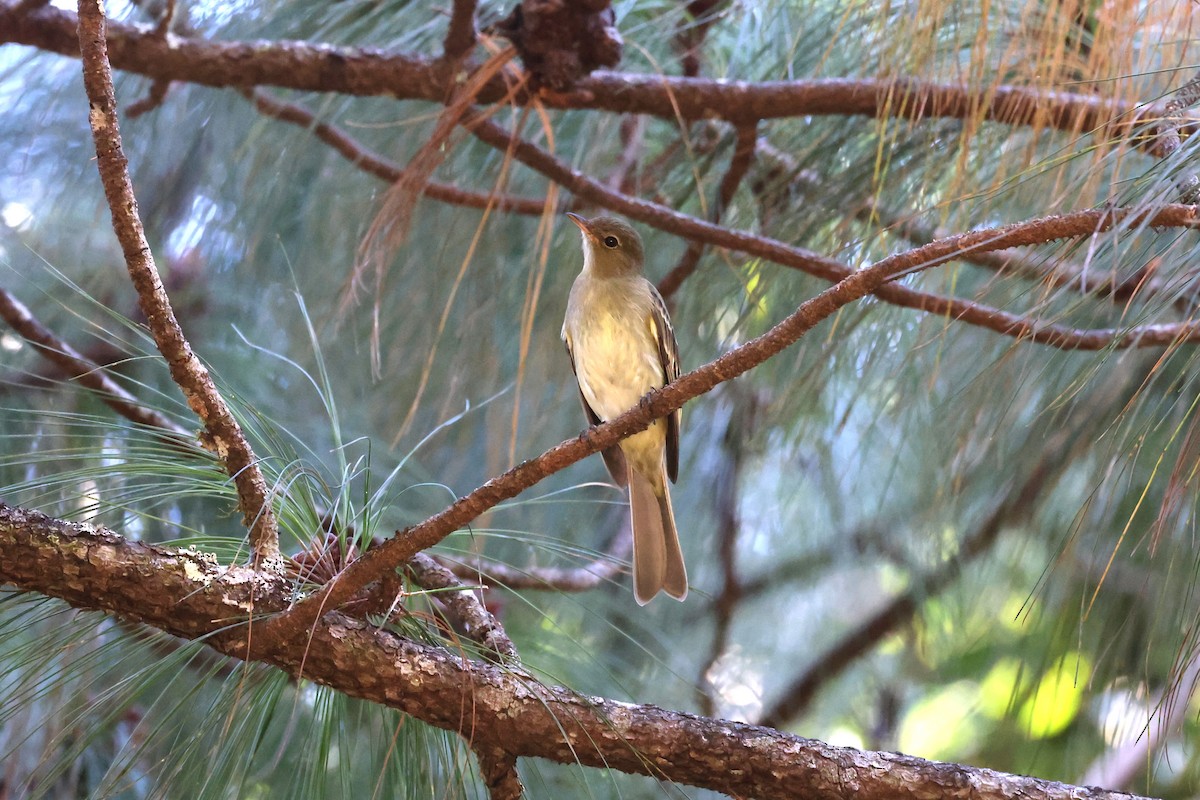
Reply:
x=1056, y=273
x=460, y=35
x=77, y=368
x=739, y=165
x=689, y=36
x=1002, y=322
x=223, y=434
x=374, y=164
x=560, y=579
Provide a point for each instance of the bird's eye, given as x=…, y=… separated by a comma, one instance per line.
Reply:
x=610, y=242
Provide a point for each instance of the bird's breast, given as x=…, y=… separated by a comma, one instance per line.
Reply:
x=616, y=355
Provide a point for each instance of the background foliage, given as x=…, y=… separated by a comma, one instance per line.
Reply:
x=887, y=447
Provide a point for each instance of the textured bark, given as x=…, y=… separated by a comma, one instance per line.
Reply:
x=189, y=594
x=223, y=433
x=361, y=71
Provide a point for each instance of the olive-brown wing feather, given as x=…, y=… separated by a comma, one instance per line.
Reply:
x=668, y=356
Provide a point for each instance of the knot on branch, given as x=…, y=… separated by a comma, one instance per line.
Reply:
x=561, y=42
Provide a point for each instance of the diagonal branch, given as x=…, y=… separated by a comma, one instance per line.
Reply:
x=374, y=164
x=462, y=606
x=501, y=714
x=739, y=165
x=223, y=434
x=966, y=311
x=661, y=402
x=78, y=368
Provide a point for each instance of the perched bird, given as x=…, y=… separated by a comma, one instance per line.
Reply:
x=622, y=346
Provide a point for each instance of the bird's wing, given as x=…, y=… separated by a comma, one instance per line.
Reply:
x=668, y=357
x=614, y=459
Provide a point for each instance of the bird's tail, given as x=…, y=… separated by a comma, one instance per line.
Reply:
x=657, y=559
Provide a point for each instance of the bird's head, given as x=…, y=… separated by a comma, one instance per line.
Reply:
x=611, y=248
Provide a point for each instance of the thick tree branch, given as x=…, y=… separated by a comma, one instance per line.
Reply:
x=464, y=609
x=397, y=550
x=224, y=435
x=491, y=708
x=364, y=72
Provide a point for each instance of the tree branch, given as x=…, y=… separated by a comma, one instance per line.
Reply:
x=739, y=165
x=374, y=164
x=971, y=313
x=397, y=550
x=78, y=368
x=194, y=597
x=224, y=435
x=560, y=579
x=460, y=36
x=365, y=72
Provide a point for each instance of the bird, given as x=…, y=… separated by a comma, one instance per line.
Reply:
x=622, y=346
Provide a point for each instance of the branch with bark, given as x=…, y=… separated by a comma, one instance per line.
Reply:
x=223, y=433
x=366, y=73
x=503, y=714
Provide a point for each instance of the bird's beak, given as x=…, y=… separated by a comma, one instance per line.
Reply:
x=583, y=224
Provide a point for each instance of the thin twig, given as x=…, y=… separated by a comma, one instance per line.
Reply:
x=224, y=435
x=739, y=165
x=560, y=579
x=153, y=99
x=965, y=311
x=1056, y=272
x=374, y=164
x=400, y=548
x=78, y=368
x=689, y=36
